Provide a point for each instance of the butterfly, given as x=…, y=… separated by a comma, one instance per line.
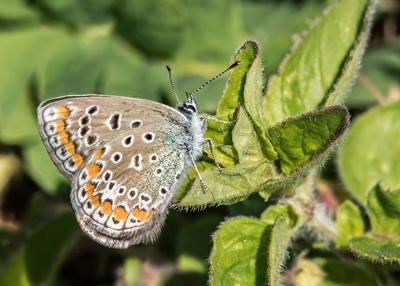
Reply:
x=126, y=158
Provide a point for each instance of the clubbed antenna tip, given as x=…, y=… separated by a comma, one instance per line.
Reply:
x=234, y=65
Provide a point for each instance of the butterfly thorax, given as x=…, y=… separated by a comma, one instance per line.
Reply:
x=195, y=126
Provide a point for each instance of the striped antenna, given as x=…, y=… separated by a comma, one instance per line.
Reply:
x=214, y=78
x=203, y=85
x=172, y=83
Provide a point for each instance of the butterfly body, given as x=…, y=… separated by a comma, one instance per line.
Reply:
x=126, y=158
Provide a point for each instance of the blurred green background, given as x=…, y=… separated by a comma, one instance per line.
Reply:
x=53, y=48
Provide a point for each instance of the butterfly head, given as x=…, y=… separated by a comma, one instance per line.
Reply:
x=189, y=107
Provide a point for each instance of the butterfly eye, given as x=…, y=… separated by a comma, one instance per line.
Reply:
x=190, y=107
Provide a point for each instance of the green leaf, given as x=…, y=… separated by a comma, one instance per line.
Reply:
x=311, y=70
x=245, y=139
x=383, y=206
x=252, y=93
x=268, y=23
x=377, y=250
x=234, y=91
x=367, y=156
x=349, y=223
x=388, y=199
x=307, y=139
x=277, y=253
x=220, y=133
x=240, y=253
x=37, y=261
x=287, y=211
x=252, y=102
x=343, y=85
x=232, y=183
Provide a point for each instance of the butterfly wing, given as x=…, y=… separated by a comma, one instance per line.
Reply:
x=125, y=157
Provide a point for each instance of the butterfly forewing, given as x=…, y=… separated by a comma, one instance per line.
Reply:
x=125, y=157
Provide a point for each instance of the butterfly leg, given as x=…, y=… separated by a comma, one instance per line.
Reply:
x=203, y=185
x=206, y=117
x=210, y=144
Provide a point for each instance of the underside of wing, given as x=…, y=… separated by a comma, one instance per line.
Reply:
x=125, y=157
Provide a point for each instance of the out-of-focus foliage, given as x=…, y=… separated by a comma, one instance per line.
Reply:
x=287, y=102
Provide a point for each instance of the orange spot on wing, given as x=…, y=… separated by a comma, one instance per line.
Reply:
x=95, y=201
x=60, y=125
x=70, y=147
x=137, y=213
x=63, y=111
x=93, y=170
x=89, y=187
x=120, y=213
x=78, y=160
x=97, y=154
x=142, y=215
x=64, y=137
x=106, y=207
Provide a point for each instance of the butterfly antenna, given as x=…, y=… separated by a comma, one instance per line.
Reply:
x=172, y=83
x=214, y=78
